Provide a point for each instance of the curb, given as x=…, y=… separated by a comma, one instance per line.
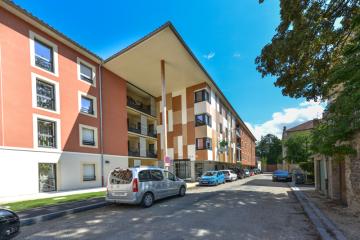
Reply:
x=325, y=227
x=46, y=217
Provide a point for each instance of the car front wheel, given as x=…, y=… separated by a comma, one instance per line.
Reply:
x=148, y=200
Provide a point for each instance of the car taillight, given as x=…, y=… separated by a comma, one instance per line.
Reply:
x=135, y=187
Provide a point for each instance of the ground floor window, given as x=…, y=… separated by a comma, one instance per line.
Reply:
x=89, y=172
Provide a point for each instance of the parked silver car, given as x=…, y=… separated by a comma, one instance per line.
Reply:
x=142, y=185
x=230, y=175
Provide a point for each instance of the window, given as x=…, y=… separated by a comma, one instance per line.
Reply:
x=203, y=143
x=144, y=176
x=43, y=54
x=89, y=172
x=88, y=136
x=202, y=119
x=156, y=175
x=46, y=133
x=45, y=95
x=87, y=104
x=220, y=108
x=221, y=128
x=202, y=95
x=169, y=176
x=86, y=72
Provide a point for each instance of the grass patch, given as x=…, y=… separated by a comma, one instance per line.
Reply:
x=28, y=204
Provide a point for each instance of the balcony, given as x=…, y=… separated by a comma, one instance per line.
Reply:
x=138, y=105
x=152, y=133
x=134, y=128
x=134, y=153
x=151, y=154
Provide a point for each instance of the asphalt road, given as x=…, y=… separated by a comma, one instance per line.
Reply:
x=253, y=208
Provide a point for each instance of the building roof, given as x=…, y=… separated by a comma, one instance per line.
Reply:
x=304, y=126
x=33, y=20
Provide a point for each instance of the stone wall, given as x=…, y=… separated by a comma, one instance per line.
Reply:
x=352, y=176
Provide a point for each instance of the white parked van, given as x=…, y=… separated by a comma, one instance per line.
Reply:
x=142, y=185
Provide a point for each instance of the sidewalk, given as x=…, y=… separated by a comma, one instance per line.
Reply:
x=324, y=225
x=48, y=195
x=347, y=220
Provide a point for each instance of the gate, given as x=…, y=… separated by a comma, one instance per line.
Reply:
x=183, y=168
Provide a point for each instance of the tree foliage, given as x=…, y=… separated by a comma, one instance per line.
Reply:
x=342, y=119
x=308, y=43
x=269, y=148
x=298, y=148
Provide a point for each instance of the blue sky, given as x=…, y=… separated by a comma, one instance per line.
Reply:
x=226, y=36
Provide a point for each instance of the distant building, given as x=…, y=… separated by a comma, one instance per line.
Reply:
x=287, y=133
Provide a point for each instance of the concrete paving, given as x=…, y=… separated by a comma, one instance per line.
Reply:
x=253, y=208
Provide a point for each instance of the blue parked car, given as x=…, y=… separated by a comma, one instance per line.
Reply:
x=281, y=175
x=212, y=178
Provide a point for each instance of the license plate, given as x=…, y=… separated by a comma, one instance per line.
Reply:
x=204, y=182
x=119, y=194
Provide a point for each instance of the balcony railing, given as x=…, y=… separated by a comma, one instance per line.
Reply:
x=138, y=105
x=134, y=153
x=152, y=133
x=134, y=129
x=151, y=154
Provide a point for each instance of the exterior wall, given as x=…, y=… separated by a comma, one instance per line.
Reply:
x=17, y=88
x=182, y=131
x=114, y=114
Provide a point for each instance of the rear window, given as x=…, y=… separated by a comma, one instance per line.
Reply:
x=121, y=176
x=225, y=172
x=209, y=174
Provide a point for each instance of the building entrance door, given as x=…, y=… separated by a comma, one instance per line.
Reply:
x=47, y=177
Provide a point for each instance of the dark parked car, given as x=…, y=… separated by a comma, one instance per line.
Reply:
x=299, y=178
x=281, y=175
x=240, y=173
x=9, y=224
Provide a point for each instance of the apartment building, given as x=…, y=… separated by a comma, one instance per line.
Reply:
x=67, y=117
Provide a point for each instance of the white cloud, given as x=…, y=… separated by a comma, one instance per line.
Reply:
x=236, y=55
x=209, y=56
x=288, y=117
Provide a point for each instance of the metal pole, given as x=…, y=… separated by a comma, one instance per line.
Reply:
x=164, y=112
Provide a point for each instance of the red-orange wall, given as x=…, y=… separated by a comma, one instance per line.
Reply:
x=114, y=114
x=17, y=88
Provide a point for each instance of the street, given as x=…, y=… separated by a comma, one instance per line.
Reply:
x=252, y=208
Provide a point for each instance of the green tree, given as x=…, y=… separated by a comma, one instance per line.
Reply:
x=308, y=43
x=342, y=119
x=269, y=149
x=298, y=150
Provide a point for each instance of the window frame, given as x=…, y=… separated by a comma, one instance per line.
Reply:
x=89, y=65
x=82, y=94
x=209, y=123
x=36, y=117
x=34, y=78
x=205, y=140
x=32, y=38
x=81, y=127
x=83, y=167
x=204, y=93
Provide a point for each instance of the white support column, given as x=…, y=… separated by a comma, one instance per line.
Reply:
x=164, y=111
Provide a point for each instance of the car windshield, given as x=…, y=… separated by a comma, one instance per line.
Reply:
x=121, y=176
x=209, y=174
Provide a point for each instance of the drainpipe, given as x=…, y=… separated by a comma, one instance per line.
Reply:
x=101, y=127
